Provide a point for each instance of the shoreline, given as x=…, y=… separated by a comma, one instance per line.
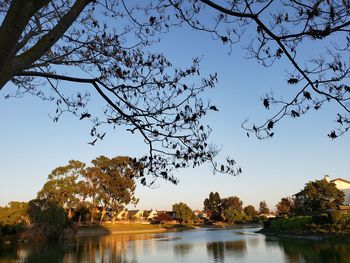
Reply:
x=102, y=231
x=304, y=235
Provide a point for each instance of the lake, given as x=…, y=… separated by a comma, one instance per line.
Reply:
x=199, y=245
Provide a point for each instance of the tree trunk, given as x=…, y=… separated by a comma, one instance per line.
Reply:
x=102, y=215
x=92, y=216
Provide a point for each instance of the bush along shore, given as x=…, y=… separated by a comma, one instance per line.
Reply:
x=333, y=224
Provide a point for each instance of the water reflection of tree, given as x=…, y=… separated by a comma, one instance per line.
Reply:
x=43, y=253
x=299, y=250
x=221, y=250
x=182, y=250
x=112, y=248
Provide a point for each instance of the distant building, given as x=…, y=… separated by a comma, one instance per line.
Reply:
x=149, y=215
x=135, y=214
x=343, y=185
x=201, y=214
x=340, y=183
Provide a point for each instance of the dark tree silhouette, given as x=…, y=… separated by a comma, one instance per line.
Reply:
x=55, y=49
x=279, y=30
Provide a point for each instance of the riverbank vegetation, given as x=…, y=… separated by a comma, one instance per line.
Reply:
x=90, y=199
x=313, y=211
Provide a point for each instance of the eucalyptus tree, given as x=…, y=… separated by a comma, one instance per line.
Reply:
x=65, y=186
x=113, y=183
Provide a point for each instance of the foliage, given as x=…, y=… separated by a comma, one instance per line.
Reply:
x=279, y=31
x=319, y=224
x=13, y=217
x=47, y=217
x=108, y=183
x=164, y=217
x=285, y=206
x=65, y=185
x=231, y=202
x=320, y=195
x=232, y=215
x=112, y=182
x=183, y=212
x=263, y=209
x=102, y=44
x=213, y=204
x=320, y=219
x=250, y=211
x=293, y=224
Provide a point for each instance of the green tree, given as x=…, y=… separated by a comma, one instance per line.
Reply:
x=183, y=212
x=250, y=211
x=47, y=217
x=112, y=182
x=13, y=217
x=286, y=206
x=231, y=202
x=321, y=195
x=213, y=204
x=232, y=215
x=65, y=186
x=263, y=209
x=14, y=213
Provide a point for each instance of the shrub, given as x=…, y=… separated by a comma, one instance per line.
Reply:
x=288, y=225
x=335, y=216
x=320, y=219
x=47, y=217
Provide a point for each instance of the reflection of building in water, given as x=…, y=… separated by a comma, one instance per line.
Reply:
x=231, y=249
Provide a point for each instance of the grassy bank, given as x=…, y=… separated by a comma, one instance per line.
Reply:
x=106, y=229
x=307, y=226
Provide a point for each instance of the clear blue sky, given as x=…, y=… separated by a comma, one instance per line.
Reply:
x=32, y=145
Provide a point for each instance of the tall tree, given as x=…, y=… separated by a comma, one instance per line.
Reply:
x=263, y=209
x=319, y=196
x=65, y=186
x=250, y=211
x=113, y=182
x=286, y=206
x=102, y=46
x=231, y=202
x=183, y=212
x=213, y=204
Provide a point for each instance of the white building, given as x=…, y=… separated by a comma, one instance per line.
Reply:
x=343, y=185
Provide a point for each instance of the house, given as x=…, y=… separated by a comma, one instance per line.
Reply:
x=135, y=214
x=122, y=215
x=343, y=185
x=149, y=214
x=340, y=183
x=201, y=214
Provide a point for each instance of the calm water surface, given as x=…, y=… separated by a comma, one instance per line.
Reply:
x=201, y=245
